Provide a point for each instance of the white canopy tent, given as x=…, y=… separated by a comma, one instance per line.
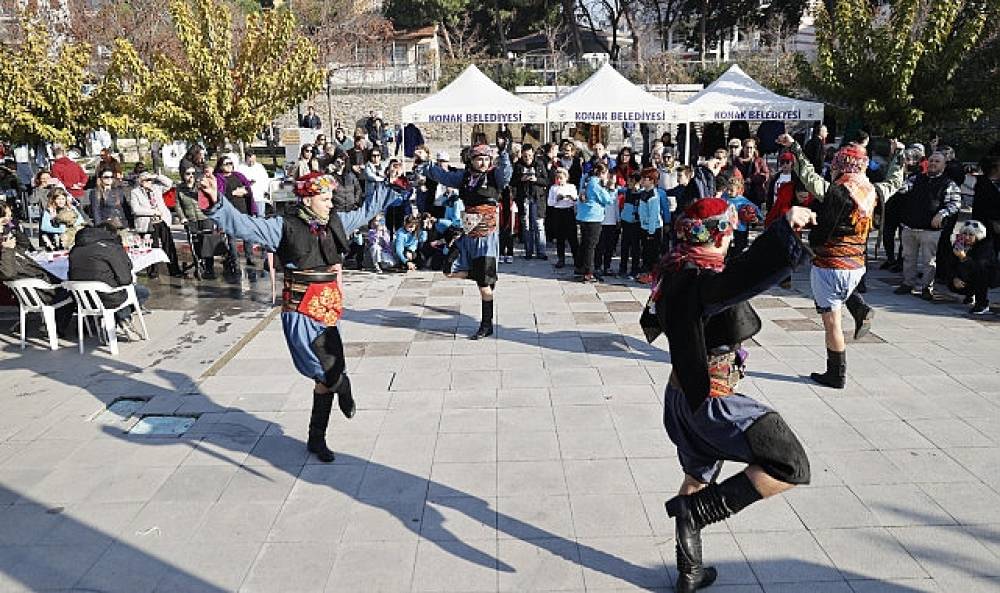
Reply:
x=609, y=97
x=736, y=96
x=473, y=98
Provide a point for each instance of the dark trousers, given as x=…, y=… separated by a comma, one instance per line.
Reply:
x=977, y=278
x=606, y=246
x=631, y=247
x=890, y=228
x=650, y=249
x=562, y=221
x=590, y=234
x=507, y=241
x=165, y=241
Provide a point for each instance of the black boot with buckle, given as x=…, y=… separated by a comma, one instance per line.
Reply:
x=692, y=513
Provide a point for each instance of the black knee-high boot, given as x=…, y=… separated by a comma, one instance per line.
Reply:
x=692, y=513
x=486, y=325
x=318, y=421
x=862, y=314
x=836, y=370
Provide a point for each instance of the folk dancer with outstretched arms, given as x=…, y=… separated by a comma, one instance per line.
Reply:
x=311, y=242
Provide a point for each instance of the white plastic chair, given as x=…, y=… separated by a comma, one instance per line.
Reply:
x=30, y=301
x=87, y=295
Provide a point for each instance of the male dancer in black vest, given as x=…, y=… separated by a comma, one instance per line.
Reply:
x=700, y=301
x=474, y=254
x=311, y=244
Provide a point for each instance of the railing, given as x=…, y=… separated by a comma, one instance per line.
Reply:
x=367, y=75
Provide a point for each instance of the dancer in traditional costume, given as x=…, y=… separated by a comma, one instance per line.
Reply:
x=700, y=301
x=311, y=244
x=845, y=209
x=474, y=254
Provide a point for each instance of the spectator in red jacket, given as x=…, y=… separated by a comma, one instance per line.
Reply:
x=71, y=174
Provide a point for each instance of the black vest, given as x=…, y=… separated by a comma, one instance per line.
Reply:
x=304, y=250
x=924, y=201
x=732, y=326
x=483, y=192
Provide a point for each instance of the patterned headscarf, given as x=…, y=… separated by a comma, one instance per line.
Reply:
x=706, y=220
x=852, y=158
x=480, y=150
x=704, y=223
x=314, y=184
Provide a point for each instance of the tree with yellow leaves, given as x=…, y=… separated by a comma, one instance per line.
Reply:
x=42, y=96
x=222, y=89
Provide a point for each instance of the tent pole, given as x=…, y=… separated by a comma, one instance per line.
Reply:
x=687, y=144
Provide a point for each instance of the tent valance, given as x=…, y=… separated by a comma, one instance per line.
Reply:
x=473, y=98
x=736, y=96
x=609, y=97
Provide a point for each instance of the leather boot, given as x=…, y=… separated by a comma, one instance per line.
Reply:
x=836, y=370
x=862, y=314
x=345, y=397
x=486, y=325
x=692, y=513
x=318, y=421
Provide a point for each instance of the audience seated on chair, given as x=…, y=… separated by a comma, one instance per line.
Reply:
x=100, y=256
x=16, y=264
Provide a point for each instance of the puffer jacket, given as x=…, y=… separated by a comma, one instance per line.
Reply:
x=98, y=255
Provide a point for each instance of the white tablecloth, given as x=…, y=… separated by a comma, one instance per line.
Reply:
x=59, y=266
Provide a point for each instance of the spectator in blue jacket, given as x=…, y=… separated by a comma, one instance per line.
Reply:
x=407, y=242
x=590, y=215
x=650, y=219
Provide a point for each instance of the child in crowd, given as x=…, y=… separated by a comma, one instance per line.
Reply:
x=650, y=220
x=609, y=235
x=747, y=211
x=631, y=232
x=380, y=247
x=407, y=243
x=562, y=201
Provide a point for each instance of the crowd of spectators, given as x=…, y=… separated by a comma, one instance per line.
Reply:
x=605, y=207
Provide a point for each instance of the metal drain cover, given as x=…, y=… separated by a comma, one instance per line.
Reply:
x=163, y=425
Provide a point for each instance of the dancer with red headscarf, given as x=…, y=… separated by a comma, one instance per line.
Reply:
x=700, y=301
x=311, y=242
x=845, y=209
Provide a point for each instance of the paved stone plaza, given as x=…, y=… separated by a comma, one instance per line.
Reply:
x=535, y=461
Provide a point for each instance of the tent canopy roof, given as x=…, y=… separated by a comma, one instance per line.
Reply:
x=608, y=97
x=736, y=96
x=473, y=98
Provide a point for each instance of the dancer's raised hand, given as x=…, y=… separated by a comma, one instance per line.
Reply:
x=800, y=218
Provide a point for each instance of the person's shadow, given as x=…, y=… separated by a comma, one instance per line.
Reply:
x=235, y=432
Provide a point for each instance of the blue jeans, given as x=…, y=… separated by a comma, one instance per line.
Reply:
x=142, y=294
x=534, y=236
